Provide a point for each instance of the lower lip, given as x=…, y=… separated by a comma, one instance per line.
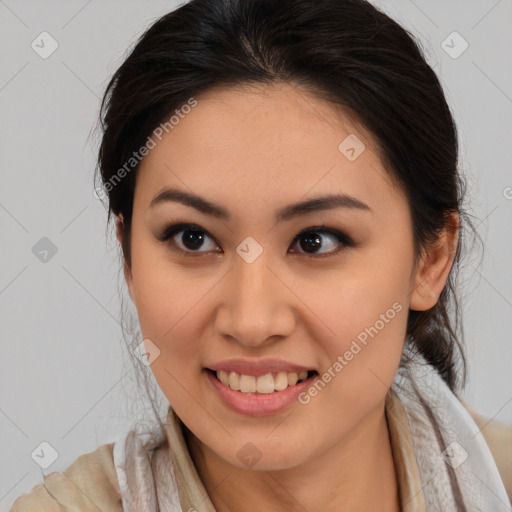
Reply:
x=258, y=405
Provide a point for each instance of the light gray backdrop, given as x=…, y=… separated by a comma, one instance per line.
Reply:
x=65, y=377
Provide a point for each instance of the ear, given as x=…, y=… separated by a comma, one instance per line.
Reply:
x=127, y=271
x=434, y=267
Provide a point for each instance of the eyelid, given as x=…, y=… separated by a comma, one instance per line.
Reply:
x=322, y=228
x=176, y=226
x=344, y=241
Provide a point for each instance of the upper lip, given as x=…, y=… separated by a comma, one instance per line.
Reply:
x=257, y=367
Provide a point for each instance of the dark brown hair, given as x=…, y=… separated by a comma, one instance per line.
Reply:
x=346, y=52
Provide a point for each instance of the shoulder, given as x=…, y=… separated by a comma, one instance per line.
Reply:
x=88, y=484
x=498, y=437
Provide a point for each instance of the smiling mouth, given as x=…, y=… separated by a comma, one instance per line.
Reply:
x=262, y=385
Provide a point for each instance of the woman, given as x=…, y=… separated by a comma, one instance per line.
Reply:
x=290, y=242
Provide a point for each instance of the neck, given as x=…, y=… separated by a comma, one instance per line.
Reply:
x=358, y=474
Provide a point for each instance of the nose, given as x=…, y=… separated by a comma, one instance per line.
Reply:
x=257, y=307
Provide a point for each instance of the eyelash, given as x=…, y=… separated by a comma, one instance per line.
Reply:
x=345, y=241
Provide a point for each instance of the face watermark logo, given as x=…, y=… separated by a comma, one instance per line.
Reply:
x=454, y=455
x=44, y=455
x=454, y=45
x=44, y=45
x=146, y=352
x=249, y=455
x=249, y=249
x=99, y=193
x=351, y=147
x=44, y=250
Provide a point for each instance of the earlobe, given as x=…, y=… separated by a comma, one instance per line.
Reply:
x=126, y=269
x=434, y=267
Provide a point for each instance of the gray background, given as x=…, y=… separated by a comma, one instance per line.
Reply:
x=65, y=375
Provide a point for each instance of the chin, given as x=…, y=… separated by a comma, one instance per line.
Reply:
x=263, y=456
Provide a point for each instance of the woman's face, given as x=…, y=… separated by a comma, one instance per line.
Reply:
x=247, y=288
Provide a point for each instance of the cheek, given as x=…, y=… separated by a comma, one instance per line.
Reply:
x=163, y=294
x=365, y=309
x=168, y=309
x=365, y=301
x=170, y=316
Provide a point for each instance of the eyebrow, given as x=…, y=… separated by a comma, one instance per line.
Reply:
x=307, y=207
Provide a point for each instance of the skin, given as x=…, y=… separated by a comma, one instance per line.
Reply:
x=253, y=151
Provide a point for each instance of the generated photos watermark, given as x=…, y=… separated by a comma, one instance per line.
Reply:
x=355, y=348
x=137, y=156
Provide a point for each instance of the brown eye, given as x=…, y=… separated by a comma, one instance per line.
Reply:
x=314, y=239
x=187, y=238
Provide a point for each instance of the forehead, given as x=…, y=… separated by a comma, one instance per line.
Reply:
x=266, y=145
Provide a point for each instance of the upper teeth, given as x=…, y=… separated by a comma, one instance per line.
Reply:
x=267, y=383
